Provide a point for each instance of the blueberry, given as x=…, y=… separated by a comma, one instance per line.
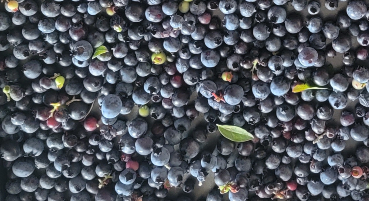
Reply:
x=285, y=113
x=338, y=100
x=154, y=13
x=247, y=9
x=329, y=176
x=361, y=154
x=308, y=56
x=279, y=86
x=261, y=31
x=29, y=184
x=305, y=111
x=137, y=127
x=210, y=58
x=293, y=23
x=28, y=8
x=231, y=22
x=127, y=176
x=23, y=168
x=260, y=90
x=339, y=83
x=160, y=156
x=330, y=30
x=315, y=187
x=294, y=150
x=356, y=10
x=213, y=39
x=341, y=44
x=228, y=6
x=242, y=194
x=284, y=172
x=276, y=14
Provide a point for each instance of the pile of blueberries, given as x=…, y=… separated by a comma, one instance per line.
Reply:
x=99, y=100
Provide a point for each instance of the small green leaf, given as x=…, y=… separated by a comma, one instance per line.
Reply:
x=100, y=50
x=224, y=189
x=235, y=133
x=304, y=86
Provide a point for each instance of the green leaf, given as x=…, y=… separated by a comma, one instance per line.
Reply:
x=304, y=86
x=100, y=50
x=224, y=189
x=235, y=133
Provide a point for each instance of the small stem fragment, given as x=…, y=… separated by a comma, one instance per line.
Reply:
x=55, y=75
x=105, y=180
x=89, y=111
x=318, y=137
x=73, y=100
x=254, y=64
x=218, y=98
x=167, y=166
x=55, y=108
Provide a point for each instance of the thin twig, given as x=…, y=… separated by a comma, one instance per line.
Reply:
x=319, y=137
x=73, y=100
x=89, y=111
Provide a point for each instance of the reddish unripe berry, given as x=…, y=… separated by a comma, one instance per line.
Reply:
x=125, y=157
x=287, y=135
x=362, y=53
x=291, y=185
x=357, y=172
x=234, y=188
x=133, y=165
x=176, y=81
x=255, y=77
x=90, y=123
x=205, y=18
x=52, y=123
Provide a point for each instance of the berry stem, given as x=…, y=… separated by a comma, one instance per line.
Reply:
x=278, y=195
x=105, y=180
x=55, y=76
x=318, y=137
x=89, y=111
x=73, y=100
x=167, y=166
x=218, y=98
x=254, y=64
x=55, y=108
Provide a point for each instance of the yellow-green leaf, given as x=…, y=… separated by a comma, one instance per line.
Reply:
x=100, y=50
x=224, y=189
x=59, y=81
x=255, y=63
x=235, y=133
x=300, y=87
x=118, y=28
x=304, y=86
